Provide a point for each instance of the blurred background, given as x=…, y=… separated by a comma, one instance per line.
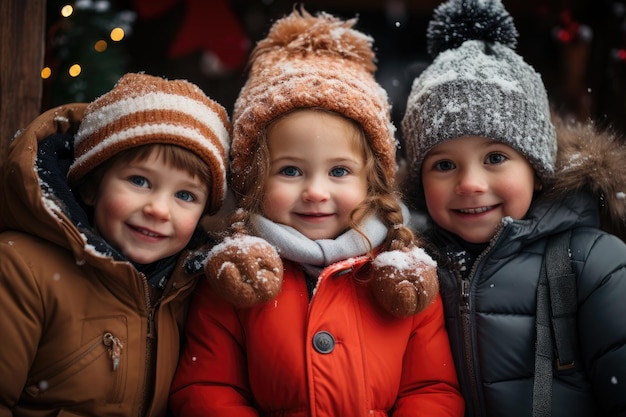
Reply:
x=578, y=46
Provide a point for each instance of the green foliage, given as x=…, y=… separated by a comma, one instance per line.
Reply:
x=72, y=40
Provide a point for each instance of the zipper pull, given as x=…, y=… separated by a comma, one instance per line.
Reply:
x=465, y=290
x=115, y=349
x=151, y=330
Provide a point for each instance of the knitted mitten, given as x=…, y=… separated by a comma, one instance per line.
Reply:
x=245, y=270
x=405, y=282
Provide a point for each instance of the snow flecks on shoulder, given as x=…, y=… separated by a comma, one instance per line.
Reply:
x=16, y=134
x=197, y=262
x=575, y=160
x=507, y=220
x=92, y=250
x=51, y=207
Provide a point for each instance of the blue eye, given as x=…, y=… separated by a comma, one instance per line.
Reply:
x=444, y=166
x=496, y=158
x=138, y=180
x=290, y=171
x=185, y=196
x=339, y=172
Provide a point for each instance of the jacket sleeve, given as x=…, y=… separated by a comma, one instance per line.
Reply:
x=601, y=315
x=429, y=385
x=21, y=323
x=211, y=379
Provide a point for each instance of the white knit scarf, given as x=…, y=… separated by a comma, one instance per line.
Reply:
x=296, y=247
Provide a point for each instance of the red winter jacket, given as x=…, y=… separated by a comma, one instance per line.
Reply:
x=336, y=355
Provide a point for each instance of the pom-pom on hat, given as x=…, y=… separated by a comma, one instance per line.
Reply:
x=311, y=61
x=477, y=86
x=143, y=109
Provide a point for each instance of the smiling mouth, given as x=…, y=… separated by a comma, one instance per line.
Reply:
x=314, y=214
x=146, y=232
x=477, y=210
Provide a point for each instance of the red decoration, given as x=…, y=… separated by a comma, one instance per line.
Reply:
x=207, y=25
x=563, y=35
x=569, y=30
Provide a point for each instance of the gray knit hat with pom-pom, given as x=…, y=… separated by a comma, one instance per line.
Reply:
x=477, y=86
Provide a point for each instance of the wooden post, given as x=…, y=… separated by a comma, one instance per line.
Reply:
x=22, y=46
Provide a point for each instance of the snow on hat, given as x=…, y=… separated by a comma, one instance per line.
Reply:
x=311, y=61
x=477, y=86
x=142, y=109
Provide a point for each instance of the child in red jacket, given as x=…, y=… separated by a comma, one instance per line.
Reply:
x=321, y=302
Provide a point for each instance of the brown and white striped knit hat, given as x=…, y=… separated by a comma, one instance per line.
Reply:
x=143, y=109
x=311, y=61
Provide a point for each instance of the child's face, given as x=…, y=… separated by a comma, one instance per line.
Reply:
x=471, y=183
x=147, y=209
x=317, y=173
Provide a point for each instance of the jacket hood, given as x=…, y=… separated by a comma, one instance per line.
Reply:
x=591, y=160
x=27, y=204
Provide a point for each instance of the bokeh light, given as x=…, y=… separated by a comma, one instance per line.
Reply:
x=100, y=46
x=75, y=70
x=117, y=34
x=46, y=73
x=67, y=10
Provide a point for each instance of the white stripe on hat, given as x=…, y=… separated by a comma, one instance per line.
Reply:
x=100, y=117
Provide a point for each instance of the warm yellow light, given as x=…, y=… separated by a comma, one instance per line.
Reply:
x=117, y=34
x=100, y=46
x=46, y=73
x=75, y=70
x=67, y=10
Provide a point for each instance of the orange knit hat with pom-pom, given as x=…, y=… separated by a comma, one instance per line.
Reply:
x=312, y=61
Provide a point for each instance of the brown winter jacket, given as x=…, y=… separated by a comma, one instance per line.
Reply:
x=80, y=334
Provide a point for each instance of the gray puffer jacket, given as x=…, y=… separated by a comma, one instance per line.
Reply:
x=490, y=313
